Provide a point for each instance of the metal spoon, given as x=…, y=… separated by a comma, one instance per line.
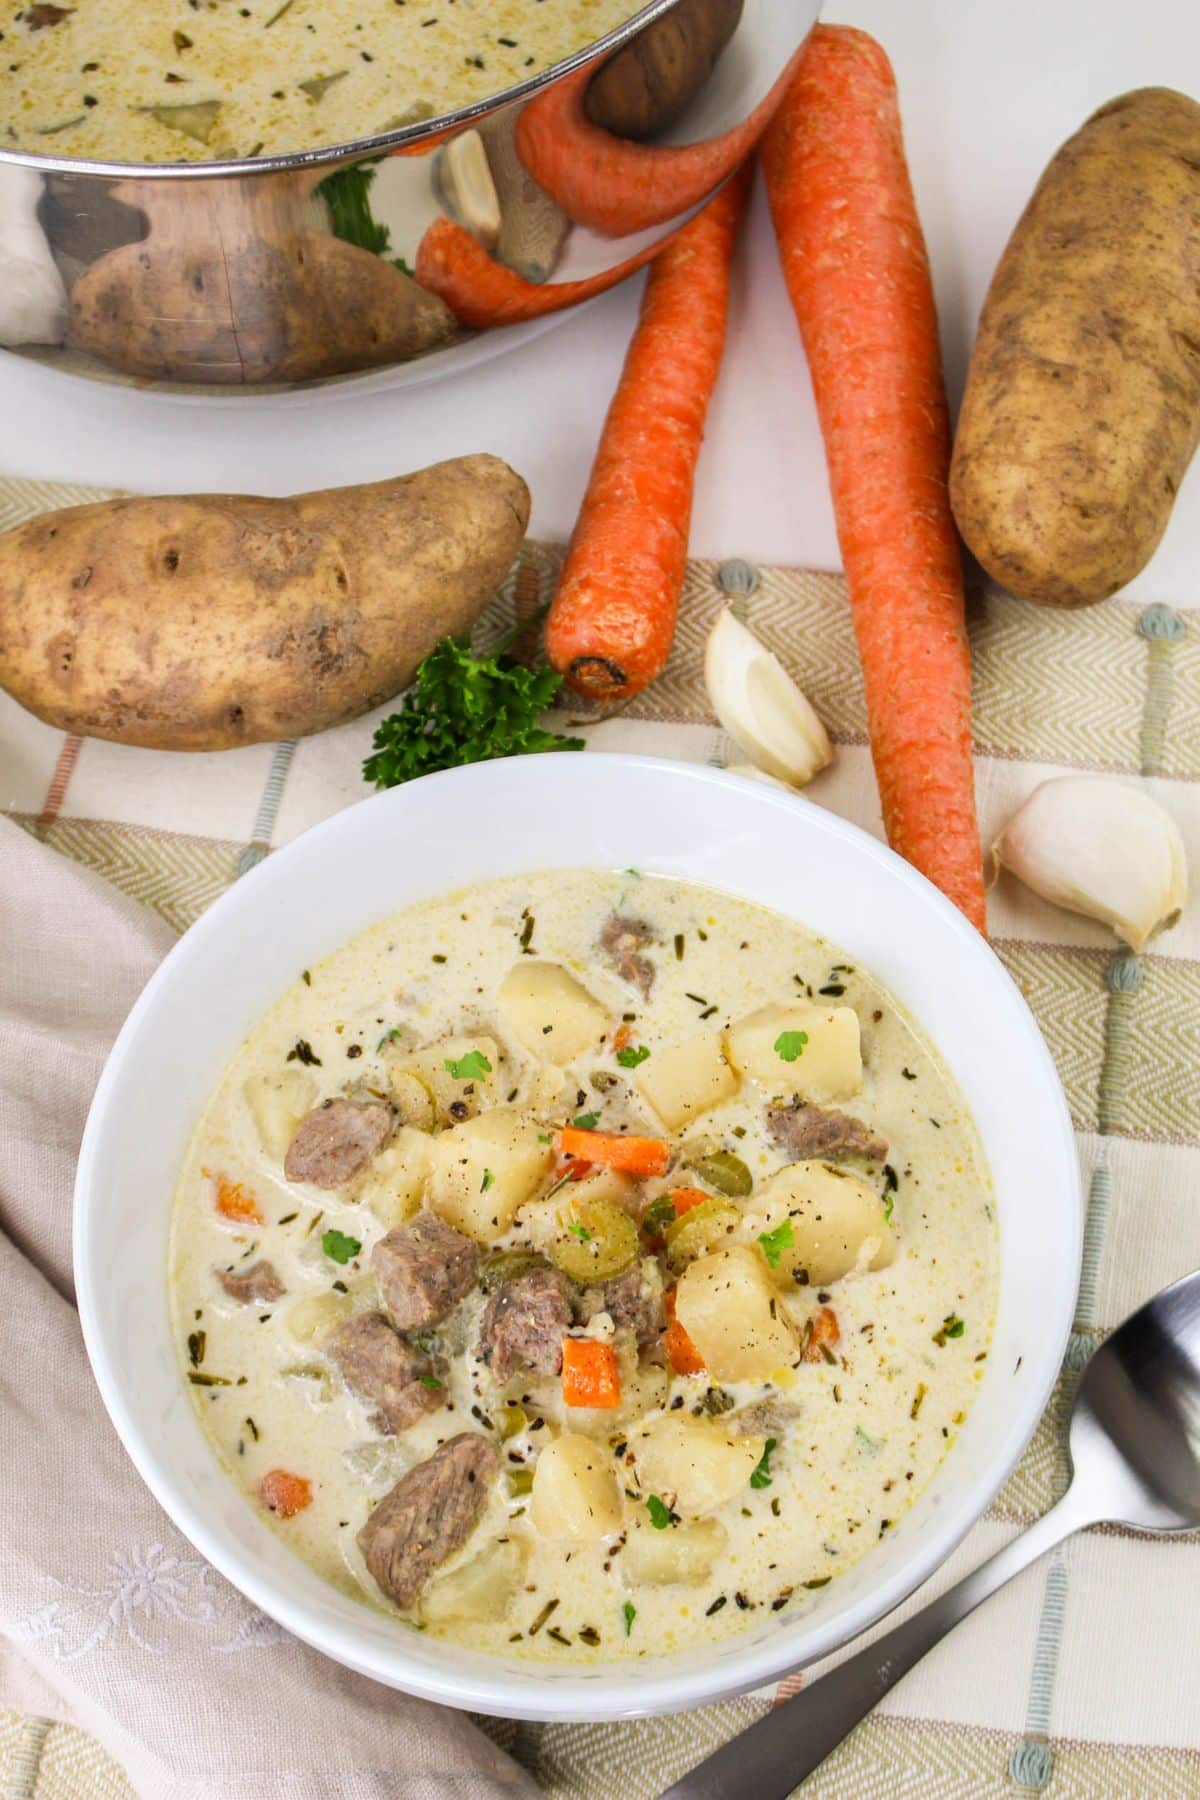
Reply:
x=1135, y=1459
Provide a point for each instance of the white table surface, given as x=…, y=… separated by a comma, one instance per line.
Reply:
x=988, y=91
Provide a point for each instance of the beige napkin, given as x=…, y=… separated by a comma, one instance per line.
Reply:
x=109, y=1618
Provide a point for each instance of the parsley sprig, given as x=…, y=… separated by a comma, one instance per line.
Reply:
x=465, y=709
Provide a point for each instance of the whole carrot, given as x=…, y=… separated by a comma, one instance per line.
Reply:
x=855, y=265
x=482, y=292
x=613, y=616
x=613, y=185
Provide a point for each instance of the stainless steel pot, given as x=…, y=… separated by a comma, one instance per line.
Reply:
x=230, y=277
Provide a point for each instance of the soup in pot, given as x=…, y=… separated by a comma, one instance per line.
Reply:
x=583, y=1263
x=193, y=80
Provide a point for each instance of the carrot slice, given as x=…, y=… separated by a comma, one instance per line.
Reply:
x=622, y=1037
x=823, y=1333
x=613, y=616
x=617, y=187
x=857, y=272
x=482, y=292
x=639, y=1156
x=590, y=1373
x=682, y=1354
x=233, y=1202
x=683, y=1199
x=283, y=1493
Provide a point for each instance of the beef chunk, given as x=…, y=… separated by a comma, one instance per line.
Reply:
x=423, y=1269
x=624, y=939
x=259, y=1282
x=525, y=1323
x=633, y=1301
x=803, y=1131
x=400, y=1381
x=335, y=1140
x=430, y=1513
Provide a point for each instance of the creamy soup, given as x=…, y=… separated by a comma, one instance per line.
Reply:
x=580, y=1264
x=170, y=80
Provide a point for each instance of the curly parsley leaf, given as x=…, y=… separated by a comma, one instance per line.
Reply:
x=471, y=1067
x=632, y=1055
x=774, y=1243
x=586, y=1121
x=761, y=1478
x=790, y=1044
x=338, y=1247
x=660, y=1513
x=464, y=709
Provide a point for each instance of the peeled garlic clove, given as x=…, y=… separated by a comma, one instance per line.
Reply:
x=760, y=706
x=1101, y=848
x=468, y=188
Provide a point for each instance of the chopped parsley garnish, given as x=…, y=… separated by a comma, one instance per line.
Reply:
x=395, y=1035
x=465, y=709
x=338, y=1247
x=790, y=1045
x=487, y=1181
x=632, y=1055
x=761, y=1478
x=586, y=1121
x=717, y=1400
x=581, y=1232
x=195, y=1345
x=889, y=1207
x=774, y=1243
x=471, y=1067
x=951, y=1327
x=430, y=1381
x=660, y=1514
x=628, y=1615
x=303, y=1052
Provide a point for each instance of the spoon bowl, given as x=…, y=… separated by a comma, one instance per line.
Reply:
x=1135, y=1460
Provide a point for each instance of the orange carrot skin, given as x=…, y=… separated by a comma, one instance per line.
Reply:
x=618, y=187
x=856, y=269
x=284, y=1494
x=590, y=1374
x=233, y=1202
x=825, y=1333
x=482, y=293
x=683, y=1199
x=638, y=1156
x=612, y=620
x=681, y=1352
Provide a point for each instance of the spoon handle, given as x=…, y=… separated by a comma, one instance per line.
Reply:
x=770, y=1758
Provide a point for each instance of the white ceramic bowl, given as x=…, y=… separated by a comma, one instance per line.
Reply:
x=495, y=819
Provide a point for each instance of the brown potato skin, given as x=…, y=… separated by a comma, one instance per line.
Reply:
x=1082, y=403
x=209, y=622
x=303, y=308
x=647, y=85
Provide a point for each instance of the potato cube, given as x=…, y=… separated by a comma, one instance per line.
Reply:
x=575, y=1494
x=277, y=1104
x=479, y=1589
x=315, y=1317
x=684, y=1553
x=799, y=1048
x=395, y=1181
x=728, y=1307
x=837, y=1223
x=459, y=1075
x=483, y=1171
x=550, y=1013
x=693, y=1464
x=687, y=1080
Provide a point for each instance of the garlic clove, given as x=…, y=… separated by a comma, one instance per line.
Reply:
x=760, y=706
x=1102, y=848
x=748, y=772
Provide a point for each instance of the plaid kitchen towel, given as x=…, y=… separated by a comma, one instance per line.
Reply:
x=1080, y=1678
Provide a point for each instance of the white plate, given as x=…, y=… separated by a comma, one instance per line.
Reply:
x=502, y=818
